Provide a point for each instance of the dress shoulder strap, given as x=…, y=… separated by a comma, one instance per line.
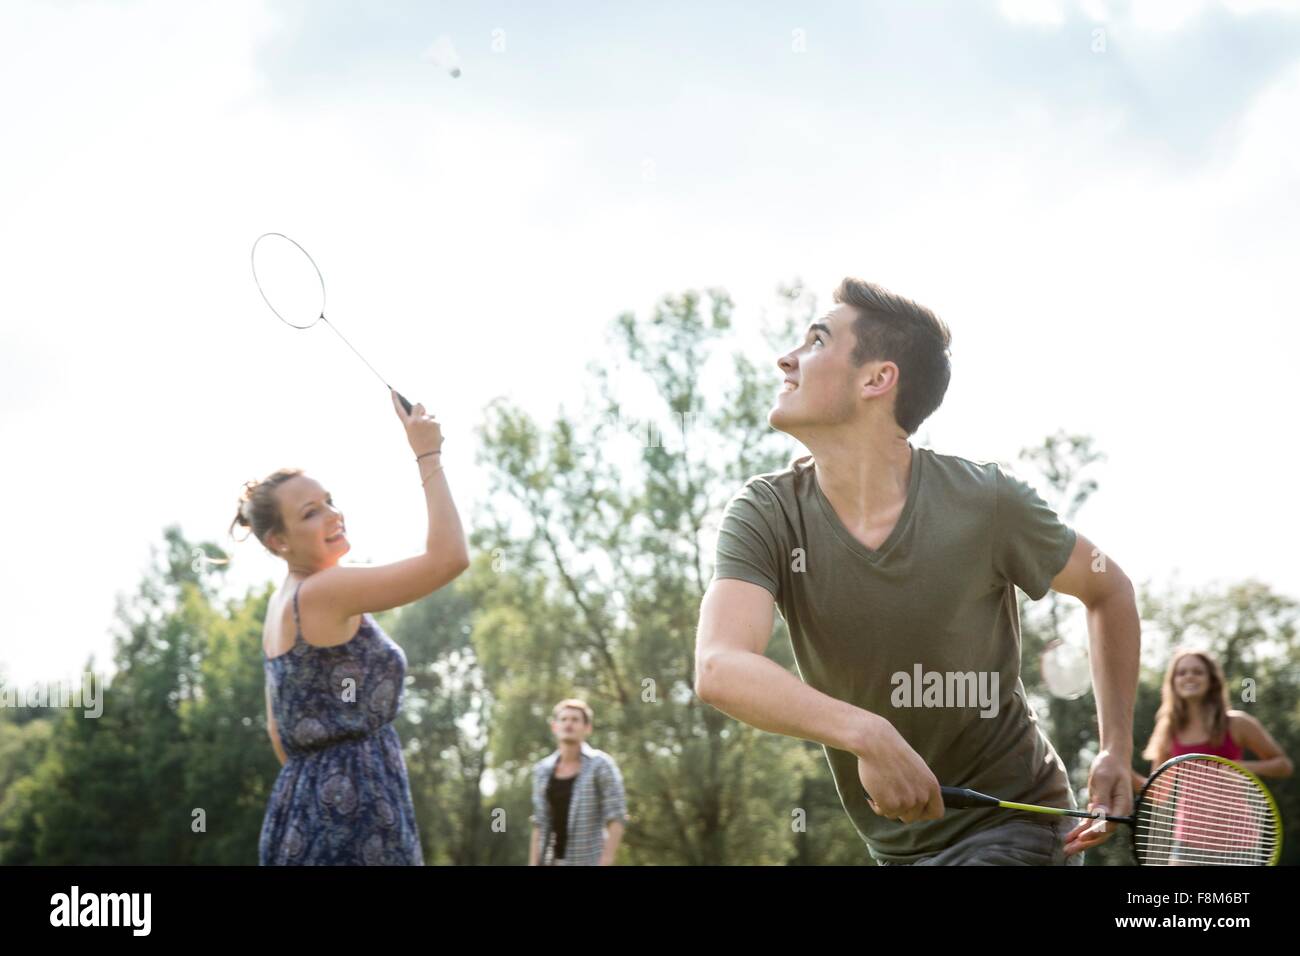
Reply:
x=297, y=624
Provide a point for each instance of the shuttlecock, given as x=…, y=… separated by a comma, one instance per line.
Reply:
x=443, y=55
x=1066, y=669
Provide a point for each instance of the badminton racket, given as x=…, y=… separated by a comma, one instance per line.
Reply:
x=293, y=288
x=1195, y=810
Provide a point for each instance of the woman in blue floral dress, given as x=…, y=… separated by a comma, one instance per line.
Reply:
x=333, y=677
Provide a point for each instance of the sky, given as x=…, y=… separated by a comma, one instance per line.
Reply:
x=1100, y=198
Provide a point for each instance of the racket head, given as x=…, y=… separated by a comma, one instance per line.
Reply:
x=289, y=280
x=1205, y=810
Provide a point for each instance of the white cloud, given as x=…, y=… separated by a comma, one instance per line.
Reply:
x=1248, y=7
x=1098, y=10
x=1044, y=12
x=1165, y=15
x=1157, y=16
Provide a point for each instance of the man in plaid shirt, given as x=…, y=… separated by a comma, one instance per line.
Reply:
x=579, y=809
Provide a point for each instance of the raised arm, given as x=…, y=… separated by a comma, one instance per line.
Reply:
x=342, y=592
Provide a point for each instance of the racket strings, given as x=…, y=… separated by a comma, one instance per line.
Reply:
x=292, y=286
x=1202, y=812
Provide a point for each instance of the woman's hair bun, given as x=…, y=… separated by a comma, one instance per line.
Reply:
x=258, y=508
x=244, y=513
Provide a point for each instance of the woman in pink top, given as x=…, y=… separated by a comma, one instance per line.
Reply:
x=1194, y=719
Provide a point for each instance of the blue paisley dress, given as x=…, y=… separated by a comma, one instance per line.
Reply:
x=342, y=797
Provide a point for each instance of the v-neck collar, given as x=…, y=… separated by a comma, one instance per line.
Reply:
x=847, y=536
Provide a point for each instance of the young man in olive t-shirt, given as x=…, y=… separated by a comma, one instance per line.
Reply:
x=895, y=570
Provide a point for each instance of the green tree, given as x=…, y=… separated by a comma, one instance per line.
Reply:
x=25, y=739
x=229, y=765
x=445, y=727
x=182, y=729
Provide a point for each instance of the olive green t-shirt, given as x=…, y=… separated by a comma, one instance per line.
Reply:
x=923, y=631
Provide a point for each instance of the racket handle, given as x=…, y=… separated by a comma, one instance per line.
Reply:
x=958, y=798
x=405, y=404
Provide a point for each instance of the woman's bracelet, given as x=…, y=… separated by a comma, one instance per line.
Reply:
x=430, y=475
x=428, y=453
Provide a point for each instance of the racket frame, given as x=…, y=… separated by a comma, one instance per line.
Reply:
x=253, y=257
x=1276, y=855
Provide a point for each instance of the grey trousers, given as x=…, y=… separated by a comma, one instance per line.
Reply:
x=1017, y=842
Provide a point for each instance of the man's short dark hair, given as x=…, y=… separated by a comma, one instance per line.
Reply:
x=891, y=328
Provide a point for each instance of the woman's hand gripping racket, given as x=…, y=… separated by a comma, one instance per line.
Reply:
x=423, y=432
x=293, y=287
